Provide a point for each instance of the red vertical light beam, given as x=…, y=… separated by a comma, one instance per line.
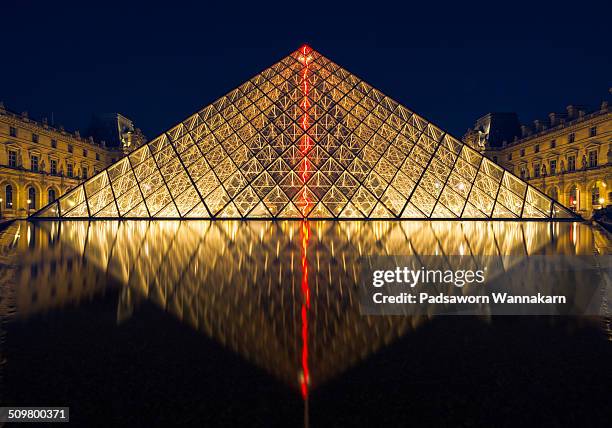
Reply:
x=305, y=121
x=305, y=379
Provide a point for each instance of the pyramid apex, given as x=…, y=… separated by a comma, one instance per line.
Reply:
x=305, y=49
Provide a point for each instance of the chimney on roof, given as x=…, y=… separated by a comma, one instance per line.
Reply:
x=571, y=112
x=539, y=125
x=77, y=134
x=604, y=105
x=24, y=114
x=581, y=112
x=525, y=131
x=552, y=117
x=2, y=109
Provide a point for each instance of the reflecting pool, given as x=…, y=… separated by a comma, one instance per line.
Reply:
x=258, y=323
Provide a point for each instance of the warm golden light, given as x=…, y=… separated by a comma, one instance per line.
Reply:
x=248, y=292
x=305, y=138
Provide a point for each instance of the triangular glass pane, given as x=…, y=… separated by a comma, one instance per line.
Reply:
x=290, y=211
x=230, y=211
x=199, y=211
x=216, y=200
x=157, y=200
x=246, y=200
x=305, y=200
x=70, y=200
x=49, y=211
x=101, y=200
x=501, y=211
x=108, y=211
x=560, y=211
x=139, y=211
x=530, y=211
x=260, y=211
x=350, y=211
x=169, y=211
x=320, y=211
x=335, y=200
x=410, y=211
x=187, y=201
x=276, y=200
x=129, y=200
x=440, y=211
x=470, y=211
x=380, y=211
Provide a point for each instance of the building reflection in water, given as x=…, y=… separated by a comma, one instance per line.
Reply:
x=281, y=294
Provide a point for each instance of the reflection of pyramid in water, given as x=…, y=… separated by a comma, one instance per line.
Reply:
x=305, y=138
x=240, y=283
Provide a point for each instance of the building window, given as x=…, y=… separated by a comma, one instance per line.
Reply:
x=571, y=163
x=32, y=198
x=85, y=152
x=495, y=159
x=509, y=156
x=51, y=195
x=573, y=197
x=54, y=144
x=536, y=170
x=553, y=167
x=34, y=138
x=523, y=172
x=593, y=131
x=554, y=193
x=8, y=196
x=553, y=144
x=13, y=131
x=34, y=163
x=592, y=158
x=522, y=152
x=571, y=138
x=69, y=171
x=595, y=196
x=536, y=148
x=84, y=172
x=70, y=148
x=53, y=167
x=12, y=158
x=97, y=156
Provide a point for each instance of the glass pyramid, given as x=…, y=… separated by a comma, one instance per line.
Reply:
x=305, y=138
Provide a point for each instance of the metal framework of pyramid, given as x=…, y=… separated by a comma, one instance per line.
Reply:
x=305, y=139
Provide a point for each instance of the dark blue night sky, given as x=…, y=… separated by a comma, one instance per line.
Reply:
x=157, y=65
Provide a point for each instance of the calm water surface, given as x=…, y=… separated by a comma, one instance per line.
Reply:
x=223, y=323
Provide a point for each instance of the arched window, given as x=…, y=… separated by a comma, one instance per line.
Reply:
x=8, y=196
x=32, y=198
x=573, y=197
x=595, y=196
x=51, y=195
